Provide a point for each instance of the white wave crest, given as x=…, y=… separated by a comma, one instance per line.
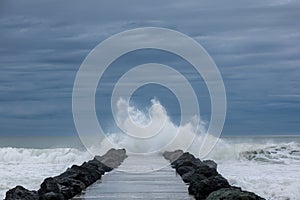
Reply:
x=165, y=135
x=55, y=156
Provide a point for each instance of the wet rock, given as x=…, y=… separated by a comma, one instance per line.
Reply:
x=75, y=186
x=206, y=171
x=204, y=180
x=192, y=163
x=201, y=189
x=85, y=174
x=232, y=193
x=191, y=176
x=186, y=159
x=97, y=167
x=210, y=163
x=73, y=180
x=52, y=196
x=20, y=193
x=49, y=185
x=184, y=169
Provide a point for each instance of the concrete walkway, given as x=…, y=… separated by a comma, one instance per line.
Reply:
x=161, y=184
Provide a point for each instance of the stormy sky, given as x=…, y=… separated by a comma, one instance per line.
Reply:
x=255, y=45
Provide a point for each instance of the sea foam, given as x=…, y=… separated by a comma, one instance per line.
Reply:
x=269, y=168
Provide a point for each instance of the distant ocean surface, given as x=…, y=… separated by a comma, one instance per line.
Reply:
x=266, y=165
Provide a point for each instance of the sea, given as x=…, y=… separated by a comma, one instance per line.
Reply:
x=266, y=165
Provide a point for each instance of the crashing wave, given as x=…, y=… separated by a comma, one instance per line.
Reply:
x=279, y=153
x=25, y=155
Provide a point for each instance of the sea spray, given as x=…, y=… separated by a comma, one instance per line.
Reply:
x=238, y=159
x=29, y=167
x=166, y=136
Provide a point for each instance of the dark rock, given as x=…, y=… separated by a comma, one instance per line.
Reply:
x=192, y=176
x=68, y=192
x=204, y=180
x=206, y=171
x=192, y=163
x=232, y=193
x=52, y=196
x=49, y=185
x=75, y=185
x=85, y=174
x=184, y=169
x=201, y=189
x=73, y=180
x=104, y=167
x=20, y=193
x=186, y=159
x=94, y=166
x=210, y=163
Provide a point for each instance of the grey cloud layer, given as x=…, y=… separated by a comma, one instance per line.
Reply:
x=254, y=43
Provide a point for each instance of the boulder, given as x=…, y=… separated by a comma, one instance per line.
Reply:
x=52, y=196
x=73, y=180
x=210, y=163
x=192, y=176
x=204, y=180
x=206, y=171
x=20, y=193
x=185, y=159
x=201, y=189
x=184, y=169
x=232, y=193
x=49, y=185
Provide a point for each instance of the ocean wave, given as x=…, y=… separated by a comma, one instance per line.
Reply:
x=28, y=167
x=277, y=153
x=152, y=131
x=255, y=151
x=55, y=156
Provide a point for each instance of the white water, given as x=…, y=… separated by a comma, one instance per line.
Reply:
x=164, y=134
x=269, y=167
x=29, y=167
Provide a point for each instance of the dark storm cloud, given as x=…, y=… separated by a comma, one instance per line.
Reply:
x=254, y=43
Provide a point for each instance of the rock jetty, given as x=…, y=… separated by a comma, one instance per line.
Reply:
x=73, y=180
x=205, y=183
